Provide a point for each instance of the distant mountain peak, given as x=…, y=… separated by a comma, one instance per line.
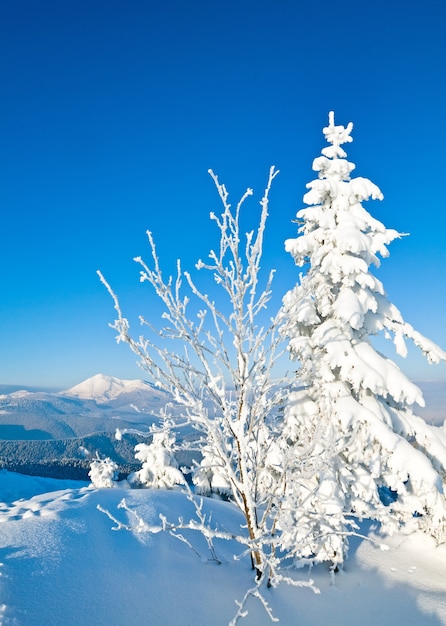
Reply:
x=103, y=388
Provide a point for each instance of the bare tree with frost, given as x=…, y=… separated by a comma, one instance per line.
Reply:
x=216, y=362
x=386, y=463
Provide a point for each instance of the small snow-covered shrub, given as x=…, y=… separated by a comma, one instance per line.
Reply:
x=209, y=476
x=103, y=473
x=159, y=466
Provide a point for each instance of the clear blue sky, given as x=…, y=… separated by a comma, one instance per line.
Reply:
x=112, y=112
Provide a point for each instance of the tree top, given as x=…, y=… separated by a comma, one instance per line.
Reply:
x=336, y=135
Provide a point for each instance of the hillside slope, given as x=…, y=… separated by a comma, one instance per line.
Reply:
x=62, y=563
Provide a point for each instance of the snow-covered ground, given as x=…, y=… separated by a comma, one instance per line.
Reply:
x=62, y=563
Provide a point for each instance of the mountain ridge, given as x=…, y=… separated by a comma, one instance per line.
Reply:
x=103, y=388
x=46, y=432
x=100, y=403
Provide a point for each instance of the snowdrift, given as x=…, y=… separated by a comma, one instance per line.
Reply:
x=62, y=563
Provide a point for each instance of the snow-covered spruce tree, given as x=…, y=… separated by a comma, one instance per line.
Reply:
x=353, y=399
x=103, y=473
x=207, y=478
x=217, y=365
x=159, y=466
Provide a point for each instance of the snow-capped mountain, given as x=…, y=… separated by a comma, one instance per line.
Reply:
x=52, y=428
x=100, y=403
x=38, y=427
x=103, y=389
x=108, y=391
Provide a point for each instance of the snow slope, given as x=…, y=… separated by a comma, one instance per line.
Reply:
x=62, y=563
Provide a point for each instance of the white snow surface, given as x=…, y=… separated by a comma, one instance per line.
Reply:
x=62, y=563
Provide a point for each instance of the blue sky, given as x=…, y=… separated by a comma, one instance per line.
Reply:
x=112, y=113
